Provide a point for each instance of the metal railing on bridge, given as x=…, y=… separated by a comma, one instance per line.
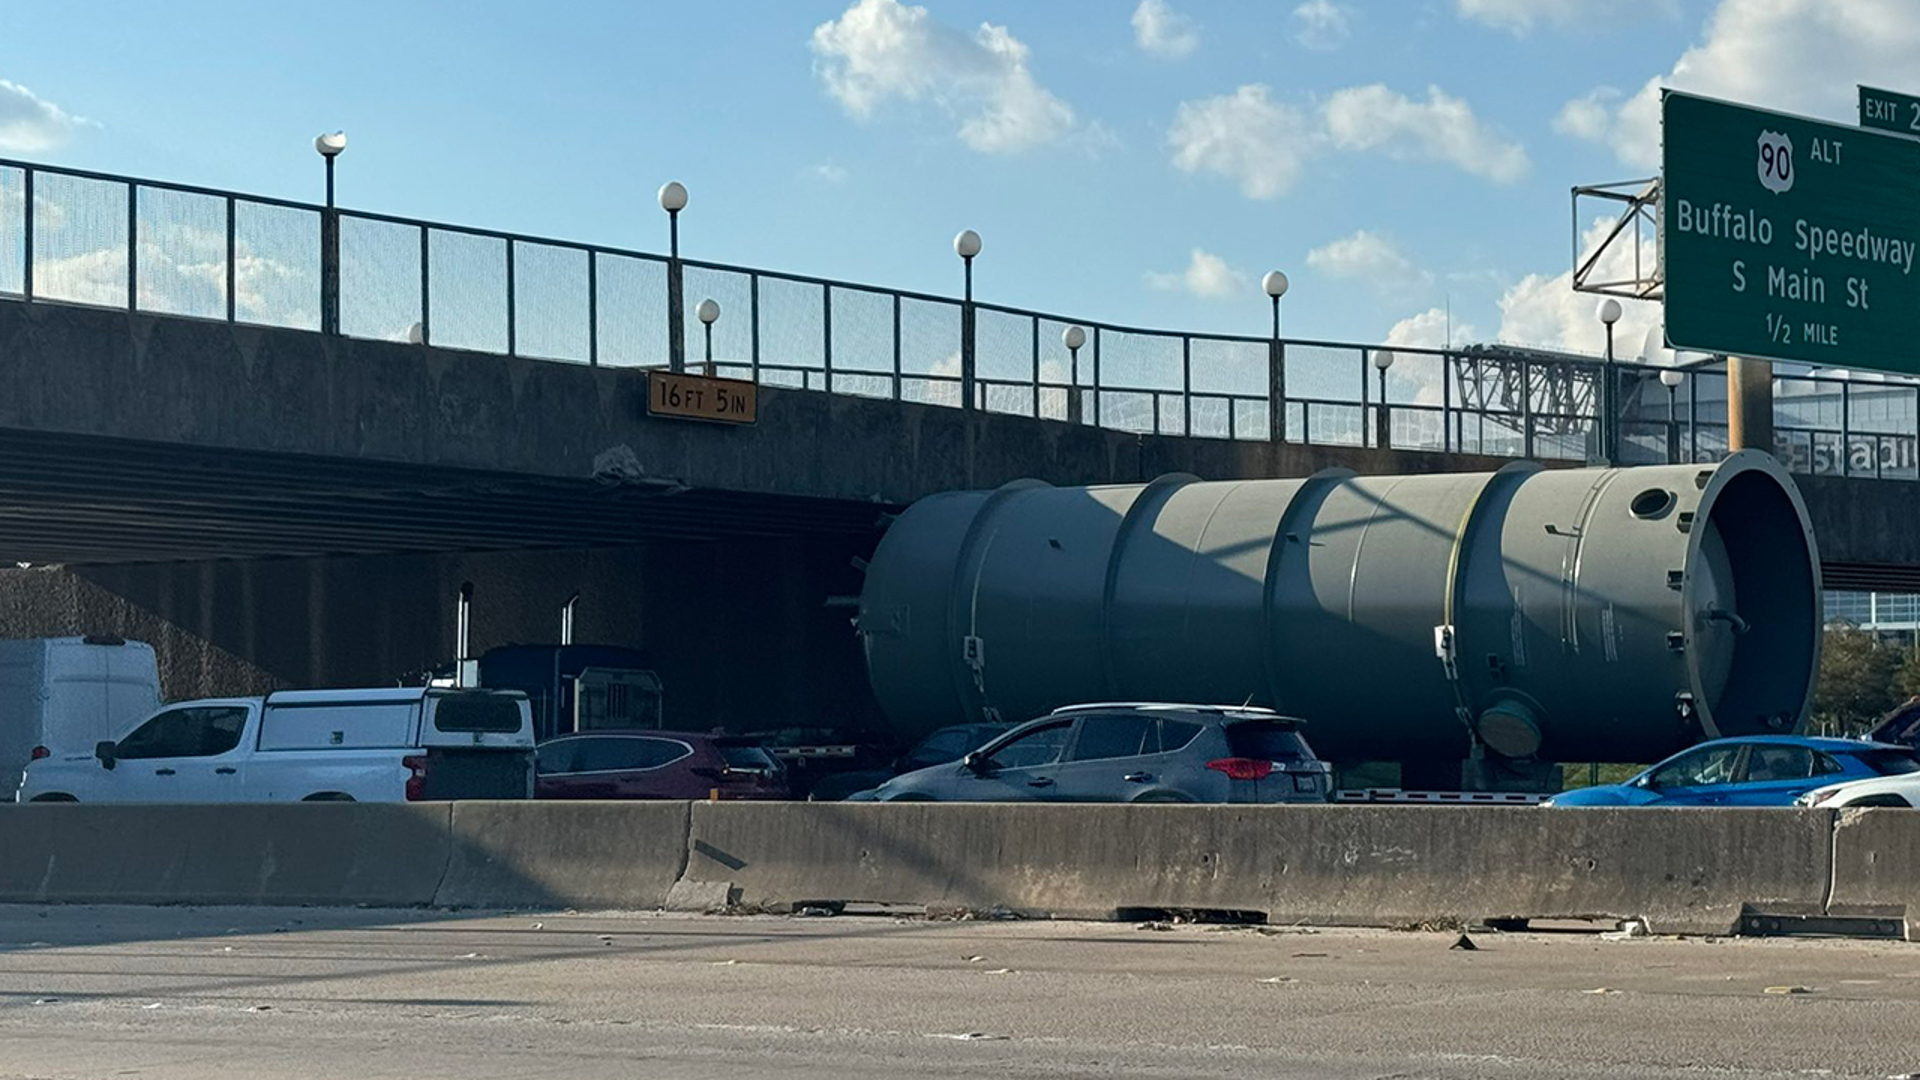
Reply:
x=76, y=237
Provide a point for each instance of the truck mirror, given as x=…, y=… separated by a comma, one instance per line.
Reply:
x=104, y=751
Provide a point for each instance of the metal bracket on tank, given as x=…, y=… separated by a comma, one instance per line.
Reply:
x=1684, y=707
x=1443, y=648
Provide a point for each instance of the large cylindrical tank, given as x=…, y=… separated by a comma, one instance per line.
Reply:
x=1572, y=615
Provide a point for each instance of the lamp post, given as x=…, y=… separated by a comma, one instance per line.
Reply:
x=329, y=147
x=1275, y=286
x=967, y=245
x=708, y=313
x=1671, y=378
x=1383, y=436
x=673, y=199
x=1608, y=313
x=1073, y=337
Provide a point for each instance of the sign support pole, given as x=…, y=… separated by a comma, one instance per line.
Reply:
x=1749, y=404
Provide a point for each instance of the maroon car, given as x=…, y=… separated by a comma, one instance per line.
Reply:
x=656, y=765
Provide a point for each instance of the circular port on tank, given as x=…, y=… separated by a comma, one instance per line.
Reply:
x=1753, y=603
x=1651, y=503
x=1510, y=729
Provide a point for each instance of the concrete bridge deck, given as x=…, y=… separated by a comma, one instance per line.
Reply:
x=135, y=438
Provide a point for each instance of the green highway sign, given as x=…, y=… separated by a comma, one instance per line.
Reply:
x=1889, y=111
x=1788, y=238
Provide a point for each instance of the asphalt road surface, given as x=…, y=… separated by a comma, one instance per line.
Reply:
x=265, y=994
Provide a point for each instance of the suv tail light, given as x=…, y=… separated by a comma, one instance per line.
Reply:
x=1240, y=768
x=40, y=753
x=417, y=782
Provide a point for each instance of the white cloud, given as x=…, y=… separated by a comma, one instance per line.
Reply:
x=1801, y=56
x=881, y=50
x=1207, y=275
x=1521, y=16
x=1587, y=117
x=1321, y=24
x=828, y=172
x=1543, y=310
x=1247, y=136
x=1365, y=255
x=1162, y=31
x=185, y=272
x=30, y=124
x=1442, y=128
x=1433, y=328
x=1264, y=144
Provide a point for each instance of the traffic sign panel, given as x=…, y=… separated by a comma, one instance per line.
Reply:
x=1789, y=238
x=1889, y=111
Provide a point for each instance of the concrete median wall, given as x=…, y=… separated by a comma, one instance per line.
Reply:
x=564, y=854
x=1683, y=871
x=1876, y=866
x=310, y=853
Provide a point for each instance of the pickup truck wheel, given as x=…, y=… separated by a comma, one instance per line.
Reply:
x=328, y=796
x=54, y=796
x=1880, y=800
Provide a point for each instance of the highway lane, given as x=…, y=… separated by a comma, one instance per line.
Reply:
x=266, y=994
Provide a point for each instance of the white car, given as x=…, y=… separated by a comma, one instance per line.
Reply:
x=389, y=745
x=1901, y=790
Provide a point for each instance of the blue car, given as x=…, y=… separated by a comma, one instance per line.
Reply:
x=1768, y=770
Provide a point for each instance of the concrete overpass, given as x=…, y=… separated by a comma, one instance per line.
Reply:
x=133, y=438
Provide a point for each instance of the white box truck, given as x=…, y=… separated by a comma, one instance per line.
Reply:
x=63, y=695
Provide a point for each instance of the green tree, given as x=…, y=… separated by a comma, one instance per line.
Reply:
x=1860, y=680
x=1906, y=680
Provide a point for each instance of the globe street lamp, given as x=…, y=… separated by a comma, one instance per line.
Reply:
x=1275, y=286
x=1382, y=360
x=1608, y=313
x=330, y=146
x=1073, y=337
x=1671, y=379
x=967, y=245
x=673, y=199
x=708, y=313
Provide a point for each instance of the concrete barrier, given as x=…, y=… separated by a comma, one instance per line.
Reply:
x=1876, y=866
x=1683, y=871
x=318, y=853
x=564, y=854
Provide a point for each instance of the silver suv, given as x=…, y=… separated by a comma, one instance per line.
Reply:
x=1132, y=752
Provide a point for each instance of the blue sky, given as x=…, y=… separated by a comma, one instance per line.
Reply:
x=1142, y=163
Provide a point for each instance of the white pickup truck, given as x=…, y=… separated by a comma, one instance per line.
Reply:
x=392, y=745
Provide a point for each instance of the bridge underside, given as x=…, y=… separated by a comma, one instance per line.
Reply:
x=88, y=500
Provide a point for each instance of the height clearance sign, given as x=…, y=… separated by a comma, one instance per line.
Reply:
x=1789, y=238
